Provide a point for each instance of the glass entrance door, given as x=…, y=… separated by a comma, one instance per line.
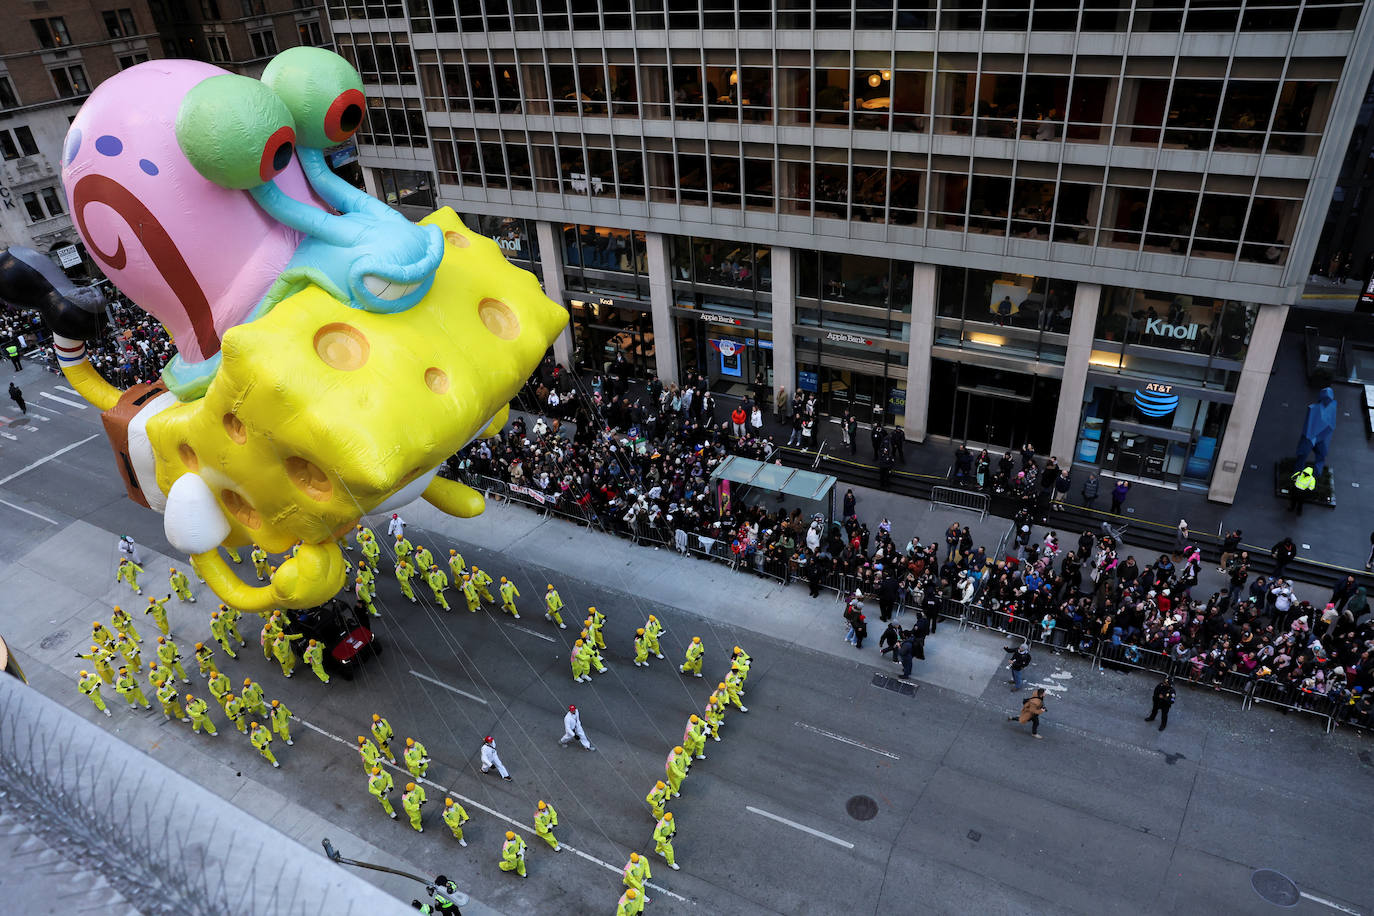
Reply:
x=998, y=418
x=1139, y=456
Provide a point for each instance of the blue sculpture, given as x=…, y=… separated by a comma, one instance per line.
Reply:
x=1317, y=430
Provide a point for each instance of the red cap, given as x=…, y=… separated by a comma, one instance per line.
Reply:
x=487, y=740
x=572, y=709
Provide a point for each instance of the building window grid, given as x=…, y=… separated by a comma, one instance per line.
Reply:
x=1111, y=122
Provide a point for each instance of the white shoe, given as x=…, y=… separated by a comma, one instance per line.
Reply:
x=744, y=709
x=186, y=718
x=562, y=626
x=657, y=655
x=674, y=866
x=715, y=737
x=193, y=599
x=698, y=674
x=677, y=795
x=289, y=742
x=275, y=764
x=393, y=815
x=107, y=712
x=701, y=756
x=462, y=842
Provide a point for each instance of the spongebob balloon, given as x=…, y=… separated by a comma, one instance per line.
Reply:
x=330, y=354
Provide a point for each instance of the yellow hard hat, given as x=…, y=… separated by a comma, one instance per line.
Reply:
x=362, y=740
x=578, y=643
x=410, y=742
x=214, y=615
x=696, y=639
x=376, y=718
x=738, y=650
x=677, y=750
x=639, y=632
x=200, y=645
x=542, y=806
x=694, y=719
x=276, y=703
x=410, y=787
x=97, y=625
x=448, y=802
x=652, y=617
x=510, y=834
x=85, y=674
x=253, y=725
x=172, y=569
x=161, y=639
x=592, y=609
x=634, y=857
x=668, y=816
x=223, y=608
x=376, y=771
x=550, y=585
x=452, y=552
x=630, y=894
x=720, y=686
x=503, y=580
x=189, y=698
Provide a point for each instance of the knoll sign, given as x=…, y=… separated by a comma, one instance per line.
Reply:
x=1176, y=331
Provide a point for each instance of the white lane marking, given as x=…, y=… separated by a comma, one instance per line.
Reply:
x=470, y=696
x=67, y=389
x=544, y=636
x=56, y=413
x=46, y=459
x=867, y=747
x=27, y=511
x=473, y=803
x=802, y=827
x=53, y=397
x=1324, y=902
x=9, y=436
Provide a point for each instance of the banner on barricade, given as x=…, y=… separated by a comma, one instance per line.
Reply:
x=527, y=491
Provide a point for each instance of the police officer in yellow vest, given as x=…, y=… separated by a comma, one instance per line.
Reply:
x=1304, y=482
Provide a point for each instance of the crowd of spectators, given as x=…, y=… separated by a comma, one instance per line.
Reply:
x=1254, y=632
x=133, y=347
x=639, y=461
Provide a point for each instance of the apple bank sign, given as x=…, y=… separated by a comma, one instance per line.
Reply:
x=1176, y=331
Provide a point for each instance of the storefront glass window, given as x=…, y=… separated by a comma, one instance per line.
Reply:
x=716, y=262
x=400, y=187
x=855, y=279
x=1006, y=299
x=515, y=237
x=613, y=339
x=602, y=258
x=1190, y=324
x=1152, y=432
x=993, y=407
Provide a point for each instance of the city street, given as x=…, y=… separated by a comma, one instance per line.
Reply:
x=833, y=794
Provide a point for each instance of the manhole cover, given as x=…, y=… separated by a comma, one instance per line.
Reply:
x=1274, y=887
x=56, y=639
x=861, y=808
x=974, y=835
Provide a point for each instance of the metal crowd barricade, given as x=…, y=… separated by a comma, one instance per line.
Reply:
x=1131, y=656
x=959, y=498
x=1295, y=698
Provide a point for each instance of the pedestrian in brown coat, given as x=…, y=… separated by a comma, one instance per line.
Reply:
x=1031, y=710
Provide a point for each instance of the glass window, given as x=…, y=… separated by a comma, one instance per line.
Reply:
x=1006, y=299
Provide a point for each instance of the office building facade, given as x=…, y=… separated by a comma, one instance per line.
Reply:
x=1075, y=224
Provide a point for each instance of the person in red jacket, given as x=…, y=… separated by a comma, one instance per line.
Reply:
x=738, y=417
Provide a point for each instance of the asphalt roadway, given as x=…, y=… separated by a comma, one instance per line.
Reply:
x=831, y=795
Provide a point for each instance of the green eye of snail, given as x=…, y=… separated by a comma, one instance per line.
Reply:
x=235, y=131
x=321, y=90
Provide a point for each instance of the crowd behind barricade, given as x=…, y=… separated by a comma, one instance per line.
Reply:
x=133, y=347
x=640, y=461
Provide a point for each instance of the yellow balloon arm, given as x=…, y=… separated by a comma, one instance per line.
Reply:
x=454, y=498
x=497, y=423
x=310, y=578
x=90, y=385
